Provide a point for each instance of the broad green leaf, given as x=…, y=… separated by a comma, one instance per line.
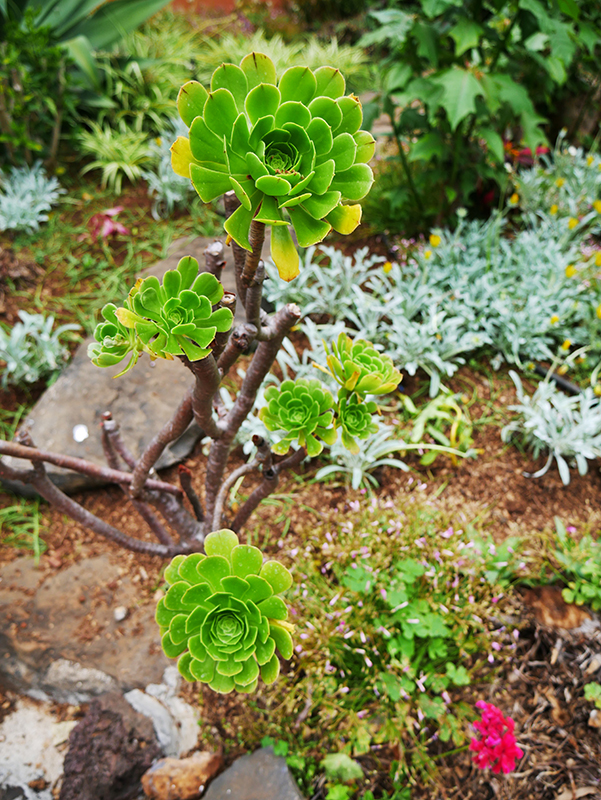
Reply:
x=262, y=101
x=271, y=670
x=181, y=157
x=203, y=670
x=246, y=560
x=327, y=109
x=258, y=68
x=330, y=82
x=292, y=112
x=308, y=231
x=339, y=766
x=220, y=112
x=298, y=83
x=213, y=569
x=354, y=183
x=427, y=147
x=170, y=648
x=494, y=142
x=221, y=543
x=352, y=115
x=110, y=22
x=273, y=185
x=284, y=253
x=344, y=219
x=460, y=91
x=277, y=576
x=205, y=145
x=171, y=574
x=320, y=134
x=272, y=608
x=466, y=34
x=427, y=42
x=191, y=101
x=80, y=50
x=320, y=205
x=397, y=77
x=208, y=183
x=366, y=146
x=231, y=77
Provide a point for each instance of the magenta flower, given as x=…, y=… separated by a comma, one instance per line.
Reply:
x=102, y=225
x=496, y=747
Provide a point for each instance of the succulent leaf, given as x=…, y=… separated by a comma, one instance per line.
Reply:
x=292, y=150
x=355, y=420
x=224, y=626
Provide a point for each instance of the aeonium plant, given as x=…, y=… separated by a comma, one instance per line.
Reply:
x=223, y=616
x=286, y=152
x=291, y=148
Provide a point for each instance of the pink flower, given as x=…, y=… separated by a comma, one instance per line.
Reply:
x=496, y=747
x=103, y=225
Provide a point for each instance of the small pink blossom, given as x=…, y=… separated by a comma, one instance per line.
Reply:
x=496, y=747
x=102, y=225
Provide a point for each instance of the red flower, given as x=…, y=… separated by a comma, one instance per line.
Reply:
x=103, y=225
x=496, y=747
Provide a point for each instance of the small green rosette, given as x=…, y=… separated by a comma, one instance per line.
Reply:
x=223, y=617
x=290, y=148
x=114, y=341
x=355, y=419
x=176, y=317
x=303, y=409
x=358, y=367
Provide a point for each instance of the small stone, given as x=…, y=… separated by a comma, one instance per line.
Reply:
x=182, y=778
x=260, y=776
x=594, y=719
x=120, y=613
x=38, y=785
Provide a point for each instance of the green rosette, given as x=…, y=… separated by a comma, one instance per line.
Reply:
x=222, y=616
x=290, y=148
x=355, y=419
x=303, y=410
x=358, y=367
x=176, y=317
x=114, y=341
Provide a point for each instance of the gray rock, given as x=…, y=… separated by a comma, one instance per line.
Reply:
x=260, y=776
x=59, y=638
x=66, y=418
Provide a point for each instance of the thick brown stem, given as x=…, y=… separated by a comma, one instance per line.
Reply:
x=110, y=435
x=185, y=479
x=256, y=238
x=263, y=457
x=239, y=341
x=81, y=465
x=171, y=431
x=259, y=367
x=207, y=382
x=214, y=261
x=267, y=486
x=221, y=339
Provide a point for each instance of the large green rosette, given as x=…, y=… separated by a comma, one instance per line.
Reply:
x=223, y=617
x=290, y=148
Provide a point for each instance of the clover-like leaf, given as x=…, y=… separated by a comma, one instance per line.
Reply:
x=222, y=618
x=291, y=149
x=358, y=367
x=303, y=410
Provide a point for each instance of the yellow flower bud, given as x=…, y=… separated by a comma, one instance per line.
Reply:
x=514, y=199
x=554, y=319
x=435, y=239
x=566, y=345
x=598, y=259
x=599, y=311
x=427, y=253
x=87, y=197
x=562, y=369
x=571, y=271
x=572, y=222
x=554, y=209
x=590, y=160
x=597, y=206
x=597, y=390
x=559, y=182
x=387, y=266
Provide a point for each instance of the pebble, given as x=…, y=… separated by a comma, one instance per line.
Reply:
x=120, y=613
